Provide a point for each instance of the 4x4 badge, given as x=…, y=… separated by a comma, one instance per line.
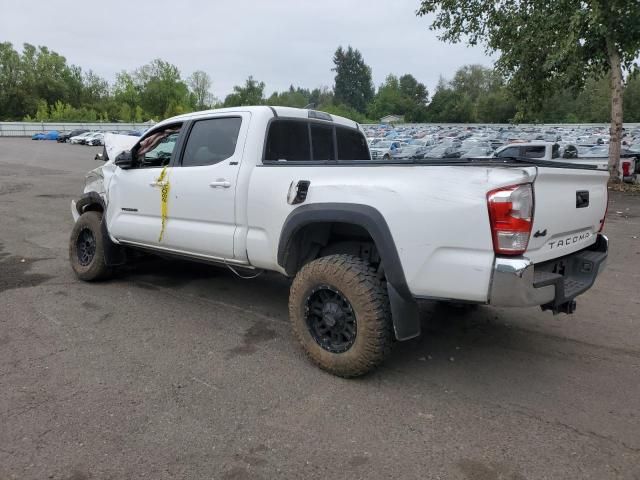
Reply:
x=540, y=233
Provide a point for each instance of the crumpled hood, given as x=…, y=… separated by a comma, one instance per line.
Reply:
x=115, y=144
x=97, y=180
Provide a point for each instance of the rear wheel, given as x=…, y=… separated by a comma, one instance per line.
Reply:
x=86, y=248
x=339, y=311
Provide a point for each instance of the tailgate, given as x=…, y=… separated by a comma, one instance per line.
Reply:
x=569, y=206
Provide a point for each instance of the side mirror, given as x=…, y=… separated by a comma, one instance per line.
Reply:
x=124, y=160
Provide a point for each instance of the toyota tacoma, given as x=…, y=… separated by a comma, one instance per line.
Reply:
x=295, y=191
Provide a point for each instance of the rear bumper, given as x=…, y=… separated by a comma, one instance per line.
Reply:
x=517, y=282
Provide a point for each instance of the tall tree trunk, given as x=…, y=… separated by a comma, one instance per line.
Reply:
x=616, y=111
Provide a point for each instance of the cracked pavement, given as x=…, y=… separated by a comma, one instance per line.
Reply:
x=178, y=370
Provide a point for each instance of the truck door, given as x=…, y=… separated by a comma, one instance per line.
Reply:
x=134, y=212
x=202, y=210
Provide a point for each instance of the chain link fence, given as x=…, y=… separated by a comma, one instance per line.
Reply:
x=27, y=129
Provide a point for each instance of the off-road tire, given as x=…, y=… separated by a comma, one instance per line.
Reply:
x=95, y=269
x=358, y=282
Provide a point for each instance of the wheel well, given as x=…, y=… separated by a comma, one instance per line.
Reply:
x=90, y=202
x=320, y=239
x=93, y=207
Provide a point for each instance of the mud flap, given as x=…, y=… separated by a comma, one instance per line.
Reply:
x=404, y=313
x=114, y=254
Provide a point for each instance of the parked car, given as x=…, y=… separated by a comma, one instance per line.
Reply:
x=95, y=140
x=361, y=244
x=92, y=136
x=80, y=139
x=443, y=151
x=384, y=150
x=51, y=135
x=64, y=137
x=597, y=157
x=478, y=152
x=408, y=152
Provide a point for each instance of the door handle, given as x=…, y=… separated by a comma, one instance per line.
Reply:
x=220, y=183
x=158, y=184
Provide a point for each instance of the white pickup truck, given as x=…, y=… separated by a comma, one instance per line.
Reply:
x=295, y=191
x=552, y=152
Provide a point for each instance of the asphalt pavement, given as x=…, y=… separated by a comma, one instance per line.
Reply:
x=177, y=370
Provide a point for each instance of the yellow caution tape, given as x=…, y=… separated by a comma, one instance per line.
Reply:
x=163, y=181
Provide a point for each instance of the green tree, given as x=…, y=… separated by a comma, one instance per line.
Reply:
x=94, y=89
x=252, y=93
x=294, y=97
x=200, y=84
x=11, y=91
x=345, y=111
x=591, y=105
x=126, y=91
x=497, y=106
x=400, y=96
x=388, y=100
x=417, y=97
x=632, y=98
x=416, y=91
x=42, y=113
x=162, y=90
x=353, y=82
x=545, y=45
x=450, y=105
x=321, y=96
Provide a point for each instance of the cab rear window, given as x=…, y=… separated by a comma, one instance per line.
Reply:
x=301, y=140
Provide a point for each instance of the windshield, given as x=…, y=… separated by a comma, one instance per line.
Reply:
x=597, y=152
x=437, y=151
x=477, y=151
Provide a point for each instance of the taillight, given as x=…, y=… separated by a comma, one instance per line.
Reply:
x=511, y=217
x=626, y=169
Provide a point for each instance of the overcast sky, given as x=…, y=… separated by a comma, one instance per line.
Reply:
x=279, y=42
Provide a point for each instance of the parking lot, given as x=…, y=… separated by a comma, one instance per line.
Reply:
x=174, y=370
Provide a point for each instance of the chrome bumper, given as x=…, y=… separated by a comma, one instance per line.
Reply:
x=517, y=282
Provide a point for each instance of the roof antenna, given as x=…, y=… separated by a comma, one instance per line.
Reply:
x=311, y=105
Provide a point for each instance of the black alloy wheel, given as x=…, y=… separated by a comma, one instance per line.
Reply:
x=86, y=247
x=330, y=319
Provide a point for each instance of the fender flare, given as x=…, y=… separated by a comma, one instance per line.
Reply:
x=113, y=254
x=88, y=199
x=404, y=308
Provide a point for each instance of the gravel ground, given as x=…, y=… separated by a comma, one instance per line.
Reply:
x=174, y=370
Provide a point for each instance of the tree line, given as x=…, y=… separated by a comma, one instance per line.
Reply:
x=38, y=84
x=544, y=47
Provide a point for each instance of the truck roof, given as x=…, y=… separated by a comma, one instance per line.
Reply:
x=287, y=112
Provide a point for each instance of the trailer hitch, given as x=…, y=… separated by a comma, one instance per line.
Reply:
x=566, y=307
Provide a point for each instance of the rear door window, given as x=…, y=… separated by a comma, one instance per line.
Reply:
x=322, y=142
x=351, y=145
x=509, y=152
x=534, y=152
x=211, y=141
x=288, y=140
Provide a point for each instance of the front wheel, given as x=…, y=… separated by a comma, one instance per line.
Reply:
x=86, y=248
x=339, y=311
